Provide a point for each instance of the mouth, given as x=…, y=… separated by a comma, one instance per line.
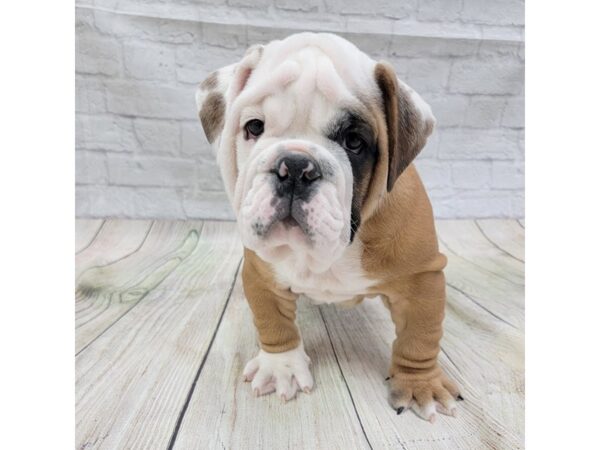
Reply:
x=289, y=222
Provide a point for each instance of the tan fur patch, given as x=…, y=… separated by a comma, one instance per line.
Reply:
x=407, y=134
x=273, y=306
x=212, y=115
x=211, y=82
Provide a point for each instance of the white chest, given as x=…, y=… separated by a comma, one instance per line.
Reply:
x=343, y=281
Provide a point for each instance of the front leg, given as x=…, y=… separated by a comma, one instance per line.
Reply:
x=417, y=305
x=281, y=364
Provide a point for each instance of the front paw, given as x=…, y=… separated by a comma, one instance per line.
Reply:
x=426, y=392
x=285, y=373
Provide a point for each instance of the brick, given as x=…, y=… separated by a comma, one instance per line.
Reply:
x=518, y=205
x=449, y=110
x=149, y=61
x=195, y=63
x=207, y=205
x=439, y=10
x=255, y=4
x=97, y=55
x=194, y=143
x=471, y=174
x=428, y=75
x=157, y=136
x=295, y=5
x=508, y=175
x=478, y=144
x=89, y=95
x=435, y=174
x=227, y=36
x=84, y=20
x=374, y=46
x=385, y=8
x=514, y=113
x=150, y=100
x=90, y=168
x=419, y=47
x=484, y=112
x=473, y=204
x=262, y=35
x=208, y=176
x=499, y=48
x=521, y=144
x=430, y=150
x=489, y=76
x=111, y=133
x=128, y=202
x=150, y=171
x=493, y=12
x=400, y=66
x=147, y=28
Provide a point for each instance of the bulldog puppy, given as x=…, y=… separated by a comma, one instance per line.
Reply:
x=315, y=143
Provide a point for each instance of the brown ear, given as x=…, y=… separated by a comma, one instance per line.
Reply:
x=408, y=118
x=221, y=87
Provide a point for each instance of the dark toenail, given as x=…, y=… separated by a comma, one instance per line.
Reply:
x=387, y=378
x=460, y=398
x=399, y=410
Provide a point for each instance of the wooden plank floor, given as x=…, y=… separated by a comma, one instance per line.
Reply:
x=163, y=333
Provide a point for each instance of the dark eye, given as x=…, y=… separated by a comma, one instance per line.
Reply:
x=254, y=128
x=353, y=142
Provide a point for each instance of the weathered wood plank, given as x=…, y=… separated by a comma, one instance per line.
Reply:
x=106, y=292
x=223, y=413
x=465, y=239
x=483, y=273
x=116, y=239
x=133, y=380
x=508, y=235
x=85, y=232
x=490, y=357
x=363, y=337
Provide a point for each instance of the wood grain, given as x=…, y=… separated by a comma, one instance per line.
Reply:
x=85, y=233
x=163, y=332
x=133, y=380
x=223, y=413
x=107, y=292
x=362, y=338
x=116, y=239
x=483, y=273
x=507, y=235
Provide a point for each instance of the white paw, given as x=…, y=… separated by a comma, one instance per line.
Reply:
x=285, y=373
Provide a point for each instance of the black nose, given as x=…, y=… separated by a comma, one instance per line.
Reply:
x=297, y=168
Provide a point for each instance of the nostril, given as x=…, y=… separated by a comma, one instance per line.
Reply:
x=311, y=172
x=297, y=167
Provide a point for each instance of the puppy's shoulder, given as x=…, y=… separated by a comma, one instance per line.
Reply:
x=400, y=237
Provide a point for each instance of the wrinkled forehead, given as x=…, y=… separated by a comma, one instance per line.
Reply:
x=309, y=78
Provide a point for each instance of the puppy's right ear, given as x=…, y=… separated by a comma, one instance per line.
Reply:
x=220, y=89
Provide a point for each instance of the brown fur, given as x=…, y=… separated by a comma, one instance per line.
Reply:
x=400, y=249
x=273, y=306
x=407, y=132
x=212, y=115
x=211, y=82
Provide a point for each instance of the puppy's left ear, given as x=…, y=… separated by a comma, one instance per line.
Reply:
x=408, y=118
x=220, y=88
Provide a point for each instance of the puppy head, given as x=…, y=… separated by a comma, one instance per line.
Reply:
x=309, y=134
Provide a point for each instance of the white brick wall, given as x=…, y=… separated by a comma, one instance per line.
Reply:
x=141, y=151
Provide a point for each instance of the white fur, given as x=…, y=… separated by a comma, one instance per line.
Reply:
x=297, y=86
x=285, y=373
x=344, y=280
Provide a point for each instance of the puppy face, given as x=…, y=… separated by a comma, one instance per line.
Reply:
x=308, y=134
